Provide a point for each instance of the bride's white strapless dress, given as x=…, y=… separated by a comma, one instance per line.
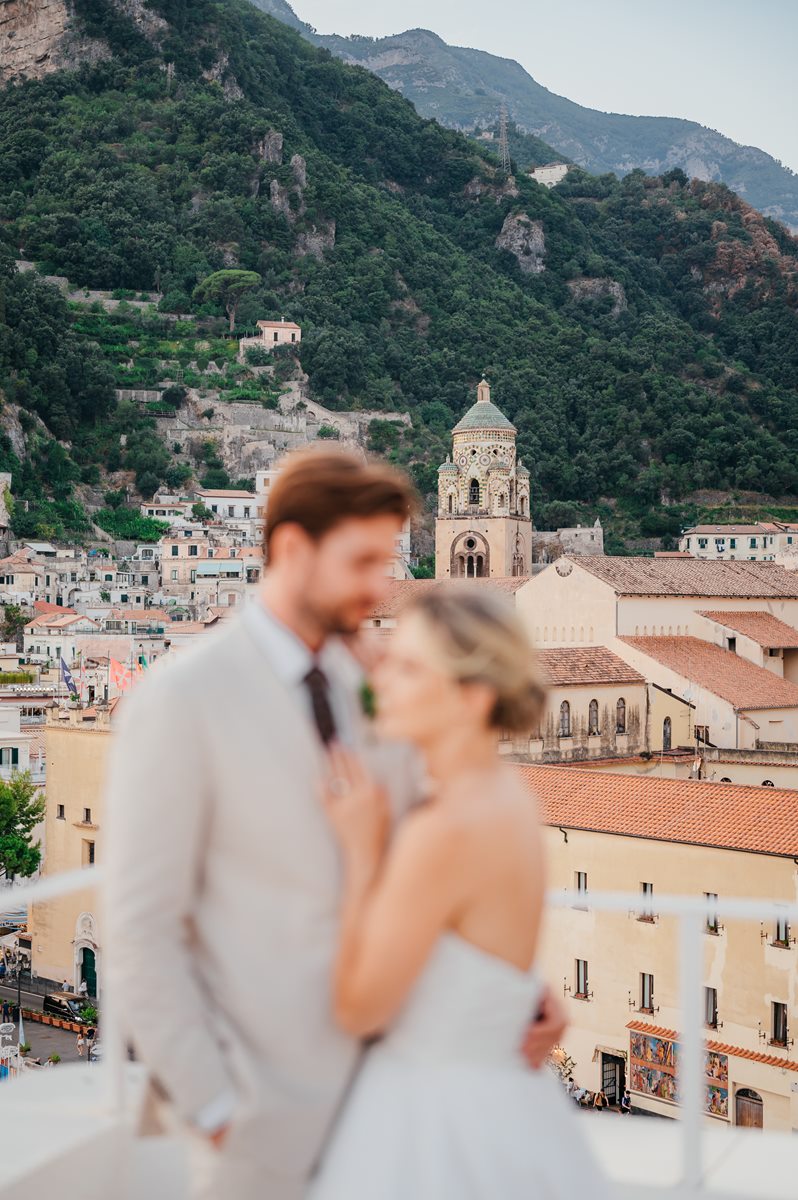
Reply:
x=445, y=1108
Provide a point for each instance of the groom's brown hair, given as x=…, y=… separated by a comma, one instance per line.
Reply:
x=319, y=488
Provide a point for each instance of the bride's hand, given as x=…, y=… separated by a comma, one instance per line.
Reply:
x=357, y=808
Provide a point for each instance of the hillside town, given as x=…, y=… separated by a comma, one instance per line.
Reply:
x=670, y=730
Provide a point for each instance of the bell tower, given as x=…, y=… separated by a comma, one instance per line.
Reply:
x=483, y=528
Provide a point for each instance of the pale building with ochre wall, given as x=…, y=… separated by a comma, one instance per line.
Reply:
x=483, y=529
x=65, y=934
x=592, y=599
x=597, y=707
x=613, y=832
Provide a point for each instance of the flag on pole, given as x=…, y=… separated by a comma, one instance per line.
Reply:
x=66, y=675
x=121, y=677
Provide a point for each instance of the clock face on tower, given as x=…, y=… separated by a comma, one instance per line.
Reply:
x=563, y=566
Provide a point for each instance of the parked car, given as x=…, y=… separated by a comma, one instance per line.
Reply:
x=67, y=1005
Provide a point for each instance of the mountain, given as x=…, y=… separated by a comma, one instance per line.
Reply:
x=640, y=333
x=465, y=88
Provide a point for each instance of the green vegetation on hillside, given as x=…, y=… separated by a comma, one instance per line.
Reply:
x=380, y=242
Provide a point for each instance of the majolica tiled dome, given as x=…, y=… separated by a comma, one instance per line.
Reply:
x=484, y=414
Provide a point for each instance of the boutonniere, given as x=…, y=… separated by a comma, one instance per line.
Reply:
x=368, y=700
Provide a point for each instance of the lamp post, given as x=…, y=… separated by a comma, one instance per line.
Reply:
x=19, y=1001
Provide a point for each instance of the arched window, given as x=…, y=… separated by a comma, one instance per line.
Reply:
x=503, y=501
x=565, y=719
x=725, y=779
x=593, y=718
x=473, y=492
x=768, y=783
x=620, y=716
x=666, y=734
x=522, y=506
x=451, y=503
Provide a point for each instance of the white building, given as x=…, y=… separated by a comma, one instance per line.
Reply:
x=550, y=174
x=168, y=508
x=279, y=333
x=758, y=542
x=15, y=743
x=50, y=638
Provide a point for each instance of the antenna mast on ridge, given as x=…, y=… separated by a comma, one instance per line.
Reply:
x=504, y=148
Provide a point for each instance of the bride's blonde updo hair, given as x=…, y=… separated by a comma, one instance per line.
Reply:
x=478, y=638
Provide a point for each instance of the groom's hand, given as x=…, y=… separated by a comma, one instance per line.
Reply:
x=545, y=1032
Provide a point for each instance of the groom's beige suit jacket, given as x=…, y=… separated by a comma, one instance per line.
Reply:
x=222, y=891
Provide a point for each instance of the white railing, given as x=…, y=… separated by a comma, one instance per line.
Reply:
x=691, y=913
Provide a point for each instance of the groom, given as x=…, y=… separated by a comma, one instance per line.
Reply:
x=222, y=878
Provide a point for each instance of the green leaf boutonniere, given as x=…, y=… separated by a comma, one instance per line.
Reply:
x=368, y=700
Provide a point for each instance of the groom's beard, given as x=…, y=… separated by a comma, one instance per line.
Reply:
x=345, y=618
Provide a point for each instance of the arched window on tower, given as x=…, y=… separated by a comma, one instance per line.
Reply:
x=451, y=502
x=473, y=492
x=522, y=506
x=593, y=718
x=620, y=716
x=565, y=719
x=667, y=733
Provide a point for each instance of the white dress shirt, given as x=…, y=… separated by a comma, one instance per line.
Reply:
x=292, y=659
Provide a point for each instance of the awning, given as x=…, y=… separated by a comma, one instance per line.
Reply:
x=624, y=1054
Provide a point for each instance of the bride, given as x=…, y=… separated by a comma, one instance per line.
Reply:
x=439, y=933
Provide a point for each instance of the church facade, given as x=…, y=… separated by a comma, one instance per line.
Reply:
x=484, y=526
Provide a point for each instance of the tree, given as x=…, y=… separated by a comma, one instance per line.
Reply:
x=227, y=288
x=21, y=810
x=14, y=620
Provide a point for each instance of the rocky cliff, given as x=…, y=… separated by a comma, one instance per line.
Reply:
x=40, y=36
x=465, y=88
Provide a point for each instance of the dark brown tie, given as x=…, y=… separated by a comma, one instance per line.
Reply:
x=319, y=688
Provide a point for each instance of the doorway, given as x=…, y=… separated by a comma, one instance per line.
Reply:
x=748, y=1109
x=613, y=1077
x=88, y=970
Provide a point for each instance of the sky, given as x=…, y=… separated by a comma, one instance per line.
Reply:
x=728, y=64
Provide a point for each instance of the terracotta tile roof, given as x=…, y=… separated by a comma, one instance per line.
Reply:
x=145, y=615
x=226, y=493
x=585, y=664
x=690, y=576
x=402, y=591
x=655, y=759
x=399, y=594
x=42, y=608
x=277, y=325
x=742, y=683
x=734, y=530
x=761, y=627
x=671, y=1035
x=729, y=816
x=673, y=554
